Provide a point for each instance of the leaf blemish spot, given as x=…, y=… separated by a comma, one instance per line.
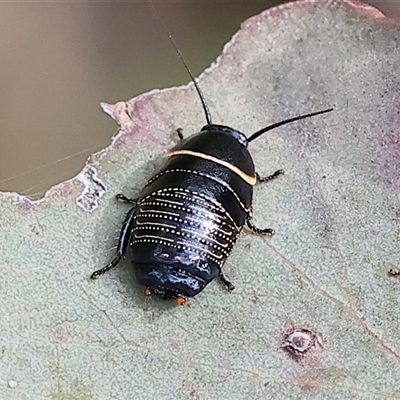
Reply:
x=394, y=272
x=299, y=341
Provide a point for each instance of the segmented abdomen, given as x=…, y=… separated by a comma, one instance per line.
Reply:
x=186, y=220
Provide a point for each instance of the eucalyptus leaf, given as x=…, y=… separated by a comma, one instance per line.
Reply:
x=336, y=214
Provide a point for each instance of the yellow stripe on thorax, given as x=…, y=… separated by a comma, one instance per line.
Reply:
x=251, y=180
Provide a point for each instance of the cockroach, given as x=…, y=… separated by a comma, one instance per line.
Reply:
x=187, y=218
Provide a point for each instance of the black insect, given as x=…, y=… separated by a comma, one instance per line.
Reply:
x=184, y=224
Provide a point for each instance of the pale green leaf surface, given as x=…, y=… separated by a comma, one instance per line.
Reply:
x=336, y=213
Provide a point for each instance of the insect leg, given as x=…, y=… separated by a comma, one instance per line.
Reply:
x=250, y=226
x=123, y=243
x=270, y=177
x=258, y=231
x=225, y=281
x=179, y=132
x=123, y=199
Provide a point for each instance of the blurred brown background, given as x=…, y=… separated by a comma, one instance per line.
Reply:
x=60, y=59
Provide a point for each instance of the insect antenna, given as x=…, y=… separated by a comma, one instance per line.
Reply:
x=199, y=92
x=286, y=121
